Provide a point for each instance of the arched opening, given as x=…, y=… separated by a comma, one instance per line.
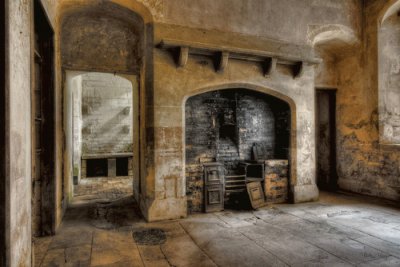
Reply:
x=248, y=135
x=102, y=46
x=103, y=135
x=389, y=76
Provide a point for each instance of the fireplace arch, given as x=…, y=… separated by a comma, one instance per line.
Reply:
x=222, y=123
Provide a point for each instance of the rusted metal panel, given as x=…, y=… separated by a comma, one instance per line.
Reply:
x=256, y=195
x=214, y=187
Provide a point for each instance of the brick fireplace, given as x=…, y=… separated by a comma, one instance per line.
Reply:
x=205, y=62
x=225, y=126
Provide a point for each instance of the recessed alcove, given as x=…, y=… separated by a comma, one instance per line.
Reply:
x=224, y=126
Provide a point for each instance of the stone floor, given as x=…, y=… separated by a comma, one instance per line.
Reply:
x=104, y=187
x=339, y=230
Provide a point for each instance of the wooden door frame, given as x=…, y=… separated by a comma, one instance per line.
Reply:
x=48, y=208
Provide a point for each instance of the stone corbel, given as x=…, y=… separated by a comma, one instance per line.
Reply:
x=221, y=61
x=298, y=69
x=270, y=66
x=183, y=56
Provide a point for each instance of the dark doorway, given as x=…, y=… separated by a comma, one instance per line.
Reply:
x=97, y=168
x=43, y=123
x=326, y=140
x=122, y=166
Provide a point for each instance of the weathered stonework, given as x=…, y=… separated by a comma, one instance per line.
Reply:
x=105, y=38
x=276, y=184
x=389, y=80
x=344, y=32
x=105, y=188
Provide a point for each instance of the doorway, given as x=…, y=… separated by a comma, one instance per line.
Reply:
x=326, y=139
x=102, y=118
x=43, y=126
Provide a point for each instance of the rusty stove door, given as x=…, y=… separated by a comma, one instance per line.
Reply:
x=213, y=187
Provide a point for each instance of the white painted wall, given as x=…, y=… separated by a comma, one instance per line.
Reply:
x=106, y=114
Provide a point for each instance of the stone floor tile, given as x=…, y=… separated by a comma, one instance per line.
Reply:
x=383, y=262
x=151, y=253
x=158, y=263
x=385, y=246
x=72, y=238
x=111, y=247
x=290, y=249
x=80, y=253
x=54, y=257
x=41, y=245
x=227, y=247
x=334, y=241
x=192, y=256
x=339, y=230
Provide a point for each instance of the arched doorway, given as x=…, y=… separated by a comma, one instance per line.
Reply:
x=235, y=127
x=103, y=134
x=106, y=38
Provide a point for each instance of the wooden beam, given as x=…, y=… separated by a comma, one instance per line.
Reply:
x=183, y=56
x=221, y=61
x=270, y=66
x=236, y=53
x=298, y=69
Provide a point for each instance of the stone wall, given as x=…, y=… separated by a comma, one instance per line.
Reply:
x=17, y=180
x=365, y=164
x=389, y=80
x=286, y=20
x=106, y=114
x=223, y=126
x=77, y=127
x=105, y=38
x=104, y=188
x=243, y=22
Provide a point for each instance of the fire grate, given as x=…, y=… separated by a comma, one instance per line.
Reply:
x=150, y=237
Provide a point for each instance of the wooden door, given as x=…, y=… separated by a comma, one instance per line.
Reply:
x=37, y=140
x=213, y=187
